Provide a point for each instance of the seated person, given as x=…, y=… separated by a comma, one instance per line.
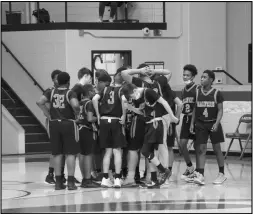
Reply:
x=113, y=11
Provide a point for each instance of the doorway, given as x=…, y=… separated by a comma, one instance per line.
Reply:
x=110, y=60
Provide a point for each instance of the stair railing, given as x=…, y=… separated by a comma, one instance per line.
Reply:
x=21, y=65
x=10, y=99
x=230, y=76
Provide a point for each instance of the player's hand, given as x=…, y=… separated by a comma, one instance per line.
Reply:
x=144, y=71
x=98, y=118
x=192, y=129
x=122, y=120
x=178, y=121
x=215, y=127
x=174, y=120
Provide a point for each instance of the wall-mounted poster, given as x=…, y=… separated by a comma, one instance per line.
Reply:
x=155, y=65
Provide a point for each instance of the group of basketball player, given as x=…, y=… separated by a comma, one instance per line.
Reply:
x=110, y=124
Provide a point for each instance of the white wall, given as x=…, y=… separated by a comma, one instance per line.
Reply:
x=13, y=135
x=238, y=37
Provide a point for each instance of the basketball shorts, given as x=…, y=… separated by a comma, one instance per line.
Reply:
x=185, y=128
x=87, y=140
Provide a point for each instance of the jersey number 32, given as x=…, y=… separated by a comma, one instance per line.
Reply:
x=58, y=101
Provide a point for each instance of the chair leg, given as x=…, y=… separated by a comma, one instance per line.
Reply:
x=240, y=144
x=230, y=144
x=244, y=148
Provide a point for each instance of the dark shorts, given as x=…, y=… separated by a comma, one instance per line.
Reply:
x=87, y=140
x=111, y=134
x=136, y=133
x=64, y=137
x=149, y=148
x=172, y=135
x=185, y=129
x=154, y=133
x=203, y=132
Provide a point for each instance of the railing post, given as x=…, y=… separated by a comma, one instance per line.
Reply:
x=38, y=7
x=164, y=12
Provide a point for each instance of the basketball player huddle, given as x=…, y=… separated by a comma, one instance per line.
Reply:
x=109, y=125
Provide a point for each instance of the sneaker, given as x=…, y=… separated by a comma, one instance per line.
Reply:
x=154, y=185
x=50, y=179
x=188, y=171
x=190, y=178
x=71, y=185
x=111, y=20
x=220, y=178
x=76, y=181
x=100, y=19
x=137, y=177
x=59, y=186
x=88, y=183
x=163, y=176
x=117, y=182
x=128, y=182
x=124, y=173
x=106, y=182
x=199, y=179
x=64, y=180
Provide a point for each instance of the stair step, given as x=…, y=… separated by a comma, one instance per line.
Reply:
x=36, y=137
x=38, y=147
x=10, y=92
x=8, y=103
x=33, y=128
x=19, y=111
x=26, y=120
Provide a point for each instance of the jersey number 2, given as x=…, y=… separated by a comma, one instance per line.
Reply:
x=111, y=99
x=187, y=108
x=205, y=112
x=58, y=101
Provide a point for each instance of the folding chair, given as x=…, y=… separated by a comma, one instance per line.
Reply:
x=246, y=118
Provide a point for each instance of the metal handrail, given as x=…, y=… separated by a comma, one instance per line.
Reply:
x=222, y=71
x=11, y=100
x=21, y=65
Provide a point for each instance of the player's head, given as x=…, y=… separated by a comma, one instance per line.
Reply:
x=85, y=76
x=103, y=79
x=189, y=72
x=54, y=75
x=117, y=77
x=142, y=65
x=88, y=91
x=207, y=78
x=130, y=91
x=63, y=78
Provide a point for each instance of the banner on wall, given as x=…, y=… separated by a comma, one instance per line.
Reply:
x=156, y=64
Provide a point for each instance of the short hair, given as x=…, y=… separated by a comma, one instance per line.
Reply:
x=191, y=68
x=210, y=74
x=63, y=78
x=84, y=71
x=142, y=65
x=87, y=88
x=128, y=89
x=103, y=76
x=54, y=73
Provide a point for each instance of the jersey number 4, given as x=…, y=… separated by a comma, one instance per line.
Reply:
x=111, y=99
x=58, y=101
x=205, y=112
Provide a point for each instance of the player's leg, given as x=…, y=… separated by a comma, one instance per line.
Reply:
x=70, y=136
x=57, y=152
x=202, y=135
x=216, y=138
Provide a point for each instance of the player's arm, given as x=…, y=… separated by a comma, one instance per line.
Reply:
x=124, y=109
x=179, y=104
x=95, y=100
x=219, y=116
x=42, y=103
x=127, y=74
x=167, y=73
x=75, y=106
x=168, y=109
x=193, y=119
x=90, y=116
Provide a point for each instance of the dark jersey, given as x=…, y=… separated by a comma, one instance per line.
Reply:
x=78, y=89
x=206, y=104
x=152, y=108
x=188, y=97
x=86, y=106
x=60, y=107
x=48, y=90
x=110, y=102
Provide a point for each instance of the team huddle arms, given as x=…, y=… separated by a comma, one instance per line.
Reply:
x=135, y=114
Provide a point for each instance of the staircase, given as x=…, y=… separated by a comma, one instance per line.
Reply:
x=36, y=138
